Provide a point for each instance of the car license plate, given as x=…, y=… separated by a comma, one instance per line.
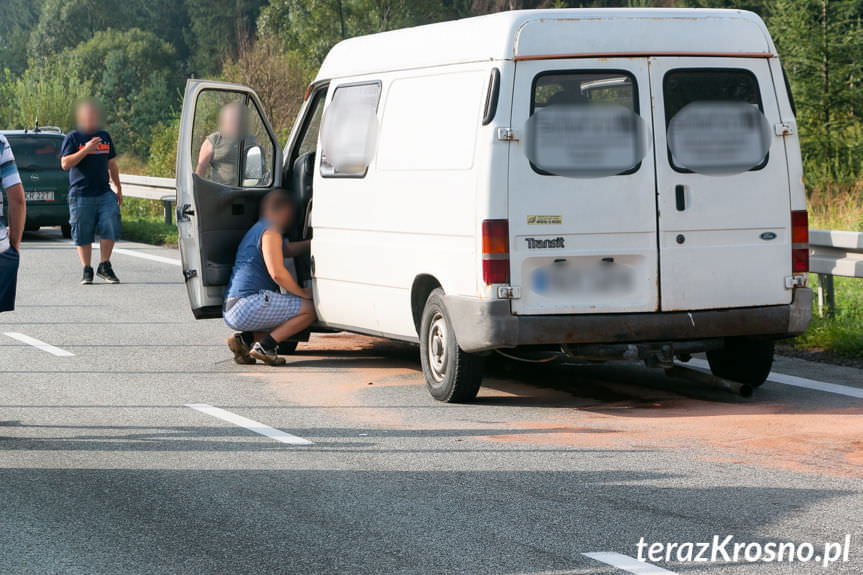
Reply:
x=588, y=278
x=39, y=196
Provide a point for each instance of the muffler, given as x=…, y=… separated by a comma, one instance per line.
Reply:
x=710, y=380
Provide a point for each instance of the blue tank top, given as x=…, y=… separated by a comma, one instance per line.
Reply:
x=250, y=274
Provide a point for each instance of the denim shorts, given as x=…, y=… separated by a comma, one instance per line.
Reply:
x=8, y=278
x=89, y=214
x=262, y=311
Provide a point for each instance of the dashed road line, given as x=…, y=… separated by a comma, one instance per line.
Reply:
x=803, y=382
x=143, y=256
x=39, y=344
x=250, y=424
x=628, y=564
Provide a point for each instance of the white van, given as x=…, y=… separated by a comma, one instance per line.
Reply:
x=610, y=183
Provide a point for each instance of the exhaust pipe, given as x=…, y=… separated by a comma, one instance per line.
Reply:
x=710, y=380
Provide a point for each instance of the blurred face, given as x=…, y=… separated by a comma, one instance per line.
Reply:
x=281, y=217
x=229, y=121
x=88, y=118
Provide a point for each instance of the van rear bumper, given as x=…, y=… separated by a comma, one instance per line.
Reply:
x=482, y=325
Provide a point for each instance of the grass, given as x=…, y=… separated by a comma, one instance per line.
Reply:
x=837, y=207
x=144, y=222
x=841, y=335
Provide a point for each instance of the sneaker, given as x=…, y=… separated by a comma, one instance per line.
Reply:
x=87, y=278
x=106, y=272
x=240, y=350
x=268, y=356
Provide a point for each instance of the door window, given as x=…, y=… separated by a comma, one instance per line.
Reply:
x=309, y=140
x=349, y=130
x=714, y=121
x=230, y=142
x=584, y=124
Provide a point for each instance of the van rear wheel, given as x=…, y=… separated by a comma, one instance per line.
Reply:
x=451, y=375
x=744, y=360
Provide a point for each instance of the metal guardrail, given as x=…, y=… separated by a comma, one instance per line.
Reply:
x=160, y=189
x=834, y=253
x=831, y=252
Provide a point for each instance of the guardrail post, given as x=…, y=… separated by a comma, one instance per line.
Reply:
x=167, y=203
x=826, y=295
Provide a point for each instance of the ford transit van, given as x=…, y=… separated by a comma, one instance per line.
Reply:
x=601, y=183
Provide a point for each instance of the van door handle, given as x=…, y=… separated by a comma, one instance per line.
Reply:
x=680, y=197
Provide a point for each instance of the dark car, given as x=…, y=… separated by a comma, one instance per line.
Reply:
x=46, y=185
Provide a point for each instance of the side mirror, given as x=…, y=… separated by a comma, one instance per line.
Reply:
x=254, y=171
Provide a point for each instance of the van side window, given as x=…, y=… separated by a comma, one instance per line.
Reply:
x=585, y=124
x=714, y=121
x=230, y=142
x=349, y=130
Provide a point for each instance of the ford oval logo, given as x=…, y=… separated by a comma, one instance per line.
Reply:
x=768, y=236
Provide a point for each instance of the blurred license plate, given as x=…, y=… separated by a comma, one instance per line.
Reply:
x=561, y=278
x=39, y=196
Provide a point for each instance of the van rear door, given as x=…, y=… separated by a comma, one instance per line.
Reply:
x=722, y=182
x=227, y=160
x=582, y=195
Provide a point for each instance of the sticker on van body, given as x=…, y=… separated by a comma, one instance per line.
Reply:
x=544, y=220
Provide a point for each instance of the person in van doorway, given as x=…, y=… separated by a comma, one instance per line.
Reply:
x=253, y=302
x=10, y=238
x=89, y=156
x=218, y=156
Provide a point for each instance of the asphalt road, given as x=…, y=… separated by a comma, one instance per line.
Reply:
x=104, y=467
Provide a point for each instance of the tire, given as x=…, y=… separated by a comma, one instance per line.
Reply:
x=288, y=347
x=744, y=360
x=32, y=227
x=451, y=374
x=66, y=231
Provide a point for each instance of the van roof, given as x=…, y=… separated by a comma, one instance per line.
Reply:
x=537, y=34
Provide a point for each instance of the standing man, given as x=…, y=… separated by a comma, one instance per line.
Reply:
x=10, y=238
x=88, y=154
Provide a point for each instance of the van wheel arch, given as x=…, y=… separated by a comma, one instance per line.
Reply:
x=421, y=289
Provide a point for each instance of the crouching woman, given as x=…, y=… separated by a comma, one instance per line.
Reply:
x=254, y=305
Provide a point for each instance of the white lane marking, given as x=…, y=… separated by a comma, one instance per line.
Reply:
x=250, y=424
x=144, y=256
x=795, y=381
x=39, y=344
x=628, y=563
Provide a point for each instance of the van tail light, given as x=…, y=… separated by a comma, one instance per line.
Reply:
x=495, y=251
x=799, y=242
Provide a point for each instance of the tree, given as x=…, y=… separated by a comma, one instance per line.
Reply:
x=63, y=25
x=217, y=28
x=134, y=74
x=821, y=44
x=19, y=18
x=278, y=77
x=43, y=94
x=311, y=27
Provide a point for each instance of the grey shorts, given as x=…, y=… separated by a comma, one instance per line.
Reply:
x=262, y=311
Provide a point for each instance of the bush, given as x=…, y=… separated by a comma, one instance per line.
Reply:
x=163, y=150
